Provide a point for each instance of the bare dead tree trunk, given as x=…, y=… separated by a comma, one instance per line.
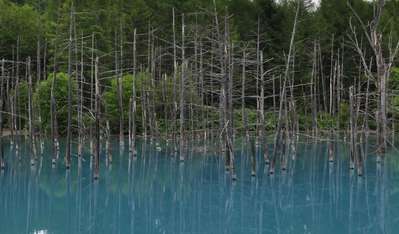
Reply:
x=201, y=81
x=97, y=124
x=227, y=64
x=133, y=103
x=92, y=93
x=313, y=90
x=30, y=115
x=69, y=120
x=262, y=111
x=12, y=119
x=274, y=94
x=45, y=60
x=293, y=123
x=2, y=162
x=323, y=82
x=277, y=138
x=38, y=79
x=38, y=62
x=383, y=66
x=337, y=86
x=359, y=155
x=352, y=129
x=243, y=81
x=144, y=110
x=120, y=91
x=174, y=112
x=332, y=76
x=230, y=138
x=130, y=124
x=53, y=117
x=258, y=65
x=108, y=146
x=366, y=107
x=182, y=83
x=16, y=103
x=245, y=117
x=11, y=99
x=80, y=102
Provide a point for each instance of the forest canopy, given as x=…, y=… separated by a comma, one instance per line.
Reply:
x=40, y=29
x=30, y=20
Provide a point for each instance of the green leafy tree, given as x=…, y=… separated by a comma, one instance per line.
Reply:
x=42, y=98
x=23, y=22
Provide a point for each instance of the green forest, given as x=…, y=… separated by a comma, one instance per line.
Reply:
x=160, y=68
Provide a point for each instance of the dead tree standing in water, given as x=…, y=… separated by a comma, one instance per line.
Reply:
x=174, y=112
x=182, y=81
x=133, y=102
x=262, y=111
x=383, y=66
x=119, y=74
x=97, y=124
x=227, y=73
x=69, y=120
x=30, y=115
x=2, y=163
x=80, y=102
x=352, y=129
x=278, y=135
x=248, y=141
x=53, y=116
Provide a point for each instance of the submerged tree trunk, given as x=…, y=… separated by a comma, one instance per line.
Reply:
x=174, y=112
x=108, y=147
x=278, y=136
x=120, y=90
x=182, y=82
x=352, y=126
x=133, y=103
x=92, y=95
x=2, y=162
x=96, y=173
x=16, y=102
x=262, y=111
x=383, y=65
x=313, y=90
x=69, y=119
x=245, y=118
x=53, y=117
x=80, y=103
x=227, y=73
x=30, y=115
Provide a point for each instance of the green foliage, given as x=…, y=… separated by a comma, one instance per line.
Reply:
x=394, y=79
x=394, y=85
x=20, y=21
x=161, y=99
x=270, y=119
x=111, y=99
x=251, y=118
x=395, y=105
x=42, y=100
x=22, y=101
x=305, y=121
x=326, y=121
x=344, y=115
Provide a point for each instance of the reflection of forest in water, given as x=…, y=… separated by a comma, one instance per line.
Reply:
x=157, y=194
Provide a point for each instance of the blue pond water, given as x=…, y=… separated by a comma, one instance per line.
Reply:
x=157, y=194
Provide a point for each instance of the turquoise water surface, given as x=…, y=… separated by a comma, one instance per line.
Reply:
x=157, y=194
